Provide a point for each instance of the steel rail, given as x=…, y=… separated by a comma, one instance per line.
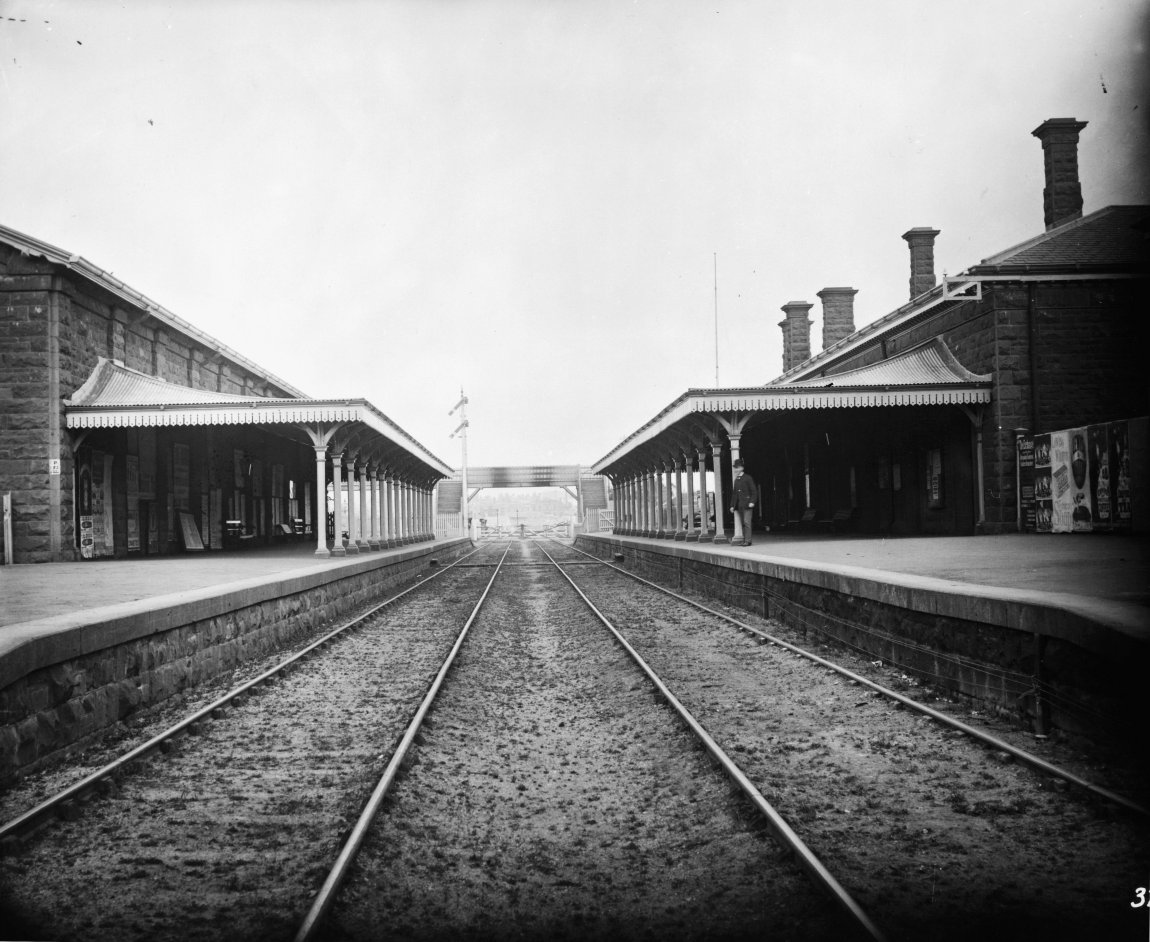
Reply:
x=34, y=816
x=822, y=877
x=973, y=731
x=325, y=898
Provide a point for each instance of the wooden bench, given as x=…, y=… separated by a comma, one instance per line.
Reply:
x=805, y=521
x=840, y=521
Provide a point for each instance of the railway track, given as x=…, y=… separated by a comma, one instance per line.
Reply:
x=545, y=789
x=928, y=820
x=545, y=793
x=231, y=815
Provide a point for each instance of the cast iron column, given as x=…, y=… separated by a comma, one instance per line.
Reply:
x=337, y=493
x=720, y=529
x=321, y=501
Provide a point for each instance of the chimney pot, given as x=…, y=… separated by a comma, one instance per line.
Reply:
x=796, y=334
x=921, y=242
x=838, y=314
x=1062, y=195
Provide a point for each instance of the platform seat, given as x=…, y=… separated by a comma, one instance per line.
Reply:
x=806, y=521
x=840, y=521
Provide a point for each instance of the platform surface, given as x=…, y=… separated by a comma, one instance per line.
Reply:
x=31, y=592
x=1099, y=566
x=1104, y=578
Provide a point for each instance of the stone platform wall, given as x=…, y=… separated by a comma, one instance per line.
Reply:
x=987, y=648
x=64, y=686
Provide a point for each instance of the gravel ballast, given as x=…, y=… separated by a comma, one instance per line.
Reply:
x=552, y=794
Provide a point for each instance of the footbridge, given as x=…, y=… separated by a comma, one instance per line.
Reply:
x=587, y=488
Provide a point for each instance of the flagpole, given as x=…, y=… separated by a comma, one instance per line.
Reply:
x=716, y=261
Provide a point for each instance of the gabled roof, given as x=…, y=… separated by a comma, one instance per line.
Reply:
x=116, y=396
x=1116, y=238
x=27, y=245
x=1111, y=242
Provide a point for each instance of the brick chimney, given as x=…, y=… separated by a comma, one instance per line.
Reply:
x=921, y=242
x=1062, y=196
x=796, y=333
x=838, y=314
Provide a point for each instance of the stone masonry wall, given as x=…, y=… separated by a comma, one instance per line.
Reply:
x=24, y=358
x=92, y=323
x=1089, y=339
x=65, y=704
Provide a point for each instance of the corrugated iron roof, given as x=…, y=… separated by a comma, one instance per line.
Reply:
x=116, y=396
x=113, y=384
x=928, y=375
x=929, y=365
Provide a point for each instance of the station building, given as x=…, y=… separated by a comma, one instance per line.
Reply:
x=913, y=423
x=126, y=430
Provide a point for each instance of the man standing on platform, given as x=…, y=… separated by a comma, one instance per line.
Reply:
x=742, y=505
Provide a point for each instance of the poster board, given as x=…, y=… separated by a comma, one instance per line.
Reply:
x=189, y=532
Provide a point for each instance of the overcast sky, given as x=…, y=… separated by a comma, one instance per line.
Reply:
x=394, y=200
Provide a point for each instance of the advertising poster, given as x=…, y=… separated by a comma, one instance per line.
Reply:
x=1120, y=483
x=108, y=509
x=1025, y=444
x=216, y=532
x=934, y=478
x=1101, y=501
x=133, y=469
x=84, y=507
x=1081, y=518
x=1062, y=501
x=101, y=531
x=181, y=464
x=1043, y=486
x=1138, y=450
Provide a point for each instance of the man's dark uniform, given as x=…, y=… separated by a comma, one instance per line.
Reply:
x=743, y=496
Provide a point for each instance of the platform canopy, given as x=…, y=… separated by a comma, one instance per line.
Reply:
x=928, y=375
x=116, y=396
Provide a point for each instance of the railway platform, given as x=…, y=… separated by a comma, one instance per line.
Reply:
x=48, y=590
x=1011, y=621
x=153, y=625
x=1104, y=576
x=1104, y=572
